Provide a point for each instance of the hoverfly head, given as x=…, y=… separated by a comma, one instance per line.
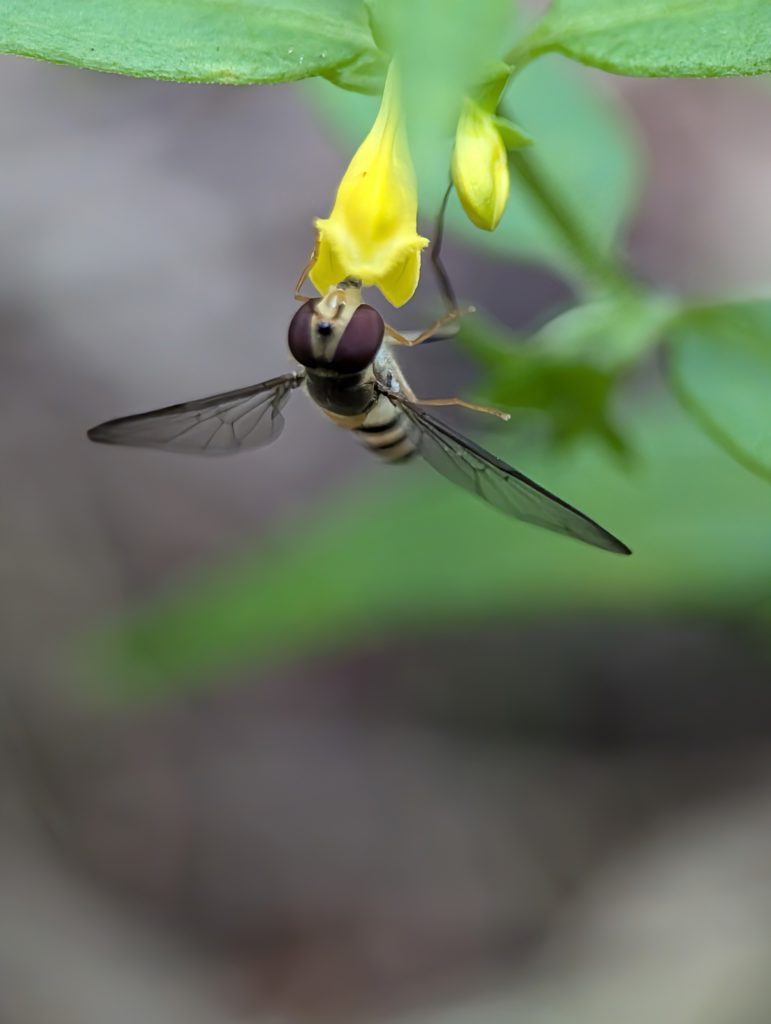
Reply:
x=337, y=332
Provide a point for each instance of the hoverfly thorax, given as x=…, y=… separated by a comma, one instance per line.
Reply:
x=337, y=332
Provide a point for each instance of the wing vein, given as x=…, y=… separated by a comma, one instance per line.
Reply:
x=222, y=413
x=468, y=464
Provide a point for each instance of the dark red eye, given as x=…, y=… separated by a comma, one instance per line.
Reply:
x=360, y=341
x=300, y=334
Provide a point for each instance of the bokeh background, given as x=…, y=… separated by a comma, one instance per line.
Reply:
x=545, y=797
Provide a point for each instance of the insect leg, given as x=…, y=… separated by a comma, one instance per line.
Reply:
x=299, y=297
x=488, y=409
x=445, y=287
x=402, y=339
x=443, y=278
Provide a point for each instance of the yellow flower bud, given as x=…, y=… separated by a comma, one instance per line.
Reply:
x=480, y=167
x=371, y=232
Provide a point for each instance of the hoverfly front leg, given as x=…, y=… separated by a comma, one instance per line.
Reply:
x=445, y=286
x=402, y=339
x=442, y=277
x=299, y=297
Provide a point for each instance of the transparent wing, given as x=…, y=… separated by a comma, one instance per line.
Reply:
x=218, y=425
x=478, y=471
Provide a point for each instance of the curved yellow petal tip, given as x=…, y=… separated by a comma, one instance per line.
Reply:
x=371, y=232
x=398, y=285
x=327, y=270
x=480, y=167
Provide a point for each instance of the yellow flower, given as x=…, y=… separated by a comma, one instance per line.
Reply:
x=480, y=166
x=371, y=232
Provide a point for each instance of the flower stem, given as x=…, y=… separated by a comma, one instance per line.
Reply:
x=599, y=269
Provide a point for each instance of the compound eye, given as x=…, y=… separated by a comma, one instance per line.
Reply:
x=300, y=335
x=360, y=342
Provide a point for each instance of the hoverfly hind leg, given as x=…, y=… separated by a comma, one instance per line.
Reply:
x=489, y=410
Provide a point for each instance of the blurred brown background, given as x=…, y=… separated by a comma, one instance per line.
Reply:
x=369, y=836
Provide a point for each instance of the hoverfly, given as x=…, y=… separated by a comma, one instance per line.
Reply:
x=347, y=366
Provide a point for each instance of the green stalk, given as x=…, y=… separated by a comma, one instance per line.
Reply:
x=599, y=269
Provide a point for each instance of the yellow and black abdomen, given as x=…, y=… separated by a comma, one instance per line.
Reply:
x=385, y=431
x=353, y=402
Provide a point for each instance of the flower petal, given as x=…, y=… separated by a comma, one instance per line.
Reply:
x=327, y=270
x=399, y=284
x=480, y=167
x=371, y=232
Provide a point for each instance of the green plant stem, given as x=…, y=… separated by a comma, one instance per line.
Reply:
x=598, y=268
x=533, y=44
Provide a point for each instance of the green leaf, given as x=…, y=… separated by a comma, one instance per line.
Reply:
x=573, y=394
x=720, y=363
x=410, y=552
x=658, y=37
x=229, y=41
x=513, y=136
x=582, y=143
x=612, y=334
x=569, y=368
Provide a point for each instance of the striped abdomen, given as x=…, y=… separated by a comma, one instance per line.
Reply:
x=385, y=431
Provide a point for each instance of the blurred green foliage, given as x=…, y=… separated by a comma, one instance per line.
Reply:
x=278, y=40
x=236, y=42
x=720, y=360
x=574, y=394
x=673, y=38
x=440, y=59
x=698, y=522
x=570, y=368
x=424, y=555
x=611, y=333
